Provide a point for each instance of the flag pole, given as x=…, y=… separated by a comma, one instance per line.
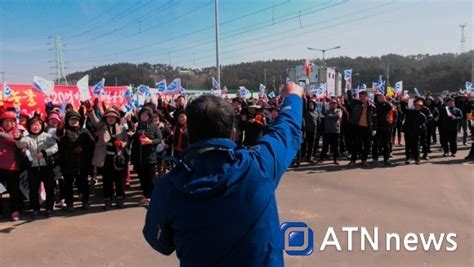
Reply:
x=218, y=67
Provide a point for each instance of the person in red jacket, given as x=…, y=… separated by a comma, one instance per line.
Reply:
x=10, y=163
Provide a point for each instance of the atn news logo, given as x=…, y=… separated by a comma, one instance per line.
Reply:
x=298, y=240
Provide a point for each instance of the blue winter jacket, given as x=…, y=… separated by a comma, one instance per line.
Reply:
x=219, y=208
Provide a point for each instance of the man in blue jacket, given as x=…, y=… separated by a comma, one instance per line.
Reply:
x=218, y=207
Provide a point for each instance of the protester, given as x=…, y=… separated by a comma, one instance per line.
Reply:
x=39, y=147
x=76, y=148
x=252, y=124
x=310, y=126
x=362, y=124
x=109, y=155
x=382, y=138
x=218, y=207
x=450, y=118
x=10, y=161
x=332, y=129
x=414, y=127
x=431, y=125
x=237, y=104
x=144, y=141
x=180, y=134
x=462, y=103
x=345, y=140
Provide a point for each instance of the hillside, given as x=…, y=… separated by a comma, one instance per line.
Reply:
x=427, y=72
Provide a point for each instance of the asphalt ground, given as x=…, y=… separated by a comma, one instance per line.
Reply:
x=434, y=197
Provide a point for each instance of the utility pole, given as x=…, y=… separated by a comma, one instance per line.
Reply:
x=218, y=66
x=324, y=52
x=463, y=37
x=59, y=75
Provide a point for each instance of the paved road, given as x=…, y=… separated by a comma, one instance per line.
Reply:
x=435, y=197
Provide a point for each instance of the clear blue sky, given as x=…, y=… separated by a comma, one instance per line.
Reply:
x=181, y=32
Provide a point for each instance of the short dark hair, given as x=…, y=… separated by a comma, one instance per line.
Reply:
x=209, y=116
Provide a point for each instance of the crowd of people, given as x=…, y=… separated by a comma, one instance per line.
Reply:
x=360, y=127
x=70, y=148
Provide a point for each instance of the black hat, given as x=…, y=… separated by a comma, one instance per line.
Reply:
x=73, y=115
x=32, y=121
x=111, y=113
x=147, y=110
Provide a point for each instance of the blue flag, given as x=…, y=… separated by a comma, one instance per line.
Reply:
x=144, y=90
x=347, y=74
x=98, y=87
x=161, y=86
x=271, y=95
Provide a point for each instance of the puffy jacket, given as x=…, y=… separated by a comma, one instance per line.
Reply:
x=447, y=123
x=145, y=154
x=71, y=158
x=415, y=122
x=42, y=143
x=332, y=122
x=382, y=111
x=9, y=153
x=219, y=208
x=463, y=103
x=310, y=119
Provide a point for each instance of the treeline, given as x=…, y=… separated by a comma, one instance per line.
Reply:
x=433, y=73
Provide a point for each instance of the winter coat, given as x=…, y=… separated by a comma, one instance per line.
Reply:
x=448, y=124
x=332, y=123
x=9, y=152
x=415, y=122
x=43, y=143
x=103, y=137
x=76, y=150
x=356, y=109
x=219, y=208
x=145, y=154
x=310, y=119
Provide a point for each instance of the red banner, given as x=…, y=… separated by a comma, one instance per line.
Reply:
x=29, y=99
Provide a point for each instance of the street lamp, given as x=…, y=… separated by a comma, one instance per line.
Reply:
x=324, y=51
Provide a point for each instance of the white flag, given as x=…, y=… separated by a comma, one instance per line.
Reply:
x=43, y=85
x=83, y=85
x=174, y=87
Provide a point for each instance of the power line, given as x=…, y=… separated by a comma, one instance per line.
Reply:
x=74, y=27
x=193, y=10
x=170, y=5
x=233, y=34
x=126, y=13
x=152, y=26
x=202, y=30
x=276, y=40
